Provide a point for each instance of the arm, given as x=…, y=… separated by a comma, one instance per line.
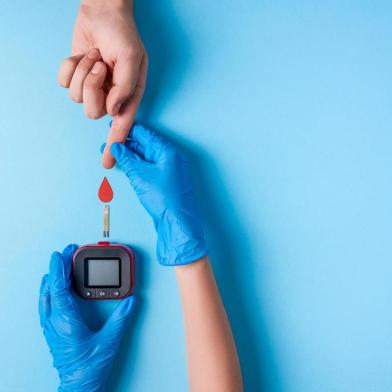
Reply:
x=108, y=67
x=159, y=174
x=212, y=358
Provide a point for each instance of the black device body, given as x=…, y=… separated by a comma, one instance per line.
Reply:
x=103, y=271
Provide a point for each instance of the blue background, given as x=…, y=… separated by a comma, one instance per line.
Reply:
x=285, y=110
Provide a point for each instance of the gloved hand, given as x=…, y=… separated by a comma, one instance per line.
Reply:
x=158, y=173
x=82, y=357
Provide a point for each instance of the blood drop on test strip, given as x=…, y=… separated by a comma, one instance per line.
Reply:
x=105, y=192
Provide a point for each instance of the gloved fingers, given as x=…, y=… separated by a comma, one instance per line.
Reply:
x=56, y=273
x=120, y=129
x=116, y=323
x=124, y=156
x=123, y=115
x=154, y=145
x=137, y=147
x=60, y=269
x=155, y=148
x=44, y=301
x=67, y=254
x=131, y=144
x=59, y=280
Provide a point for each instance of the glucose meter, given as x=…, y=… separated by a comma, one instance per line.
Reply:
x=103, y=271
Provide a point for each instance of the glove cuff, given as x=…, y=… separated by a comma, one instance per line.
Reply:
x=80, y=389
x=77, y=381
x=180, y=238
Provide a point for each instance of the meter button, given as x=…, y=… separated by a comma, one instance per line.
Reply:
x=89, y=293
x=115, y=293
x=102, y=293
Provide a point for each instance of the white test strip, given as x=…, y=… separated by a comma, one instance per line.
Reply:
x=106, y=213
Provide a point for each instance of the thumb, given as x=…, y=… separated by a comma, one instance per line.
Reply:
x=115, y=325
x=125, y=157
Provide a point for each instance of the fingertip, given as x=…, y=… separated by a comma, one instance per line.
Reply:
x=94, y=114
x=44, y=284
x=63, y=83
x=44, y=300
x=69, y=250
x=55, y=265
x=127, y=305
x=132, y=300
x=55, y=256
x=107, y=159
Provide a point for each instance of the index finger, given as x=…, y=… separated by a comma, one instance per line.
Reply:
x=67, y=69
x=123, y=121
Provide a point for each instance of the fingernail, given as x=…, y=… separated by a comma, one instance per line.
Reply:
x=93, y=54
x=97, y=68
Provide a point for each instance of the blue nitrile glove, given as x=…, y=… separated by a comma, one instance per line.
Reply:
x=159, y=174
x=82, y=357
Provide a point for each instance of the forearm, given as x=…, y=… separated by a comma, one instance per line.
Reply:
x=212, y=358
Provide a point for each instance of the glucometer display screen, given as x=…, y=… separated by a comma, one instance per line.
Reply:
x=101, y=272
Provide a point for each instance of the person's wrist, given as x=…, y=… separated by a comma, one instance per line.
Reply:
x=107, y=3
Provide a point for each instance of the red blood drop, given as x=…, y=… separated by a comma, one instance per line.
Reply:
x=105, y=192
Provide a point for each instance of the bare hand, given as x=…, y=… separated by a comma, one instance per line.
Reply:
x=108, y=67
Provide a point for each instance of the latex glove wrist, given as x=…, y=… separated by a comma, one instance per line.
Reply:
x=77, y=388
x=71, y=380
x=180, y=238
x=159, y=174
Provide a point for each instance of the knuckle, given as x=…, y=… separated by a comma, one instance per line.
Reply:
x=70, y=62
x=85, y=65
x=132, y=54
